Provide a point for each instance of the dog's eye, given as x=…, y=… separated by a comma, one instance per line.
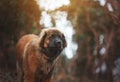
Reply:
x=51, y=36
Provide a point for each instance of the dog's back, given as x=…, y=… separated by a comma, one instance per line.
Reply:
x=20, y=47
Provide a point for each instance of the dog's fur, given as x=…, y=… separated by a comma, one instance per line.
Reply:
x=36, y=55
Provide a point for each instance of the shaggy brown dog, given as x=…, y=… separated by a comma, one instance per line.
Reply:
x=36, y=55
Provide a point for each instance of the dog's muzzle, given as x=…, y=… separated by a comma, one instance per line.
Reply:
x=58, y=43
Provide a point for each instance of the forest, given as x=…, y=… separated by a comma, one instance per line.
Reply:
x=96, y=33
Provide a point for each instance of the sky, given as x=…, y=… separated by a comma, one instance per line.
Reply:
x=102, y=2
x=52, y=4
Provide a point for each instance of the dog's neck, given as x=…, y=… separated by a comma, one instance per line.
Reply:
x=46, y=53
x=46, y=61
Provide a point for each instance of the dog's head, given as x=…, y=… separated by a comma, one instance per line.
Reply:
x=52, y=41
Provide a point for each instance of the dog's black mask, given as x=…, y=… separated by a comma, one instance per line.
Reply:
x=55, y=45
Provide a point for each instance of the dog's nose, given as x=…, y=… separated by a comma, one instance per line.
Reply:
x=58, y=42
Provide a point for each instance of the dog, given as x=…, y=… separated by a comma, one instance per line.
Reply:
x=37, y=54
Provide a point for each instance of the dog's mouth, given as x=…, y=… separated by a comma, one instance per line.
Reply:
x=57, y=47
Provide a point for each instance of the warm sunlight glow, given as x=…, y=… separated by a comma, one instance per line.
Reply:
x=52, y=4
x=102, y=2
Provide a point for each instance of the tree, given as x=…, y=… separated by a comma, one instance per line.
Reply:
x=91, y=21
x=17, y=17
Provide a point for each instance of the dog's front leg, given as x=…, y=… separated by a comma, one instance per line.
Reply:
x=29, y=77
x=29, y=72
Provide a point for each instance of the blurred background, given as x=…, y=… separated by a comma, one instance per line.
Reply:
x=91, y=28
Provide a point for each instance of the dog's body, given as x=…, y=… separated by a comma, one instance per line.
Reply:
x=36, y=55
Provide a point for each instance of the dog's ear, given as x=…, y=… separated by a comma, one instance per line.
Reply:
x=42, y=36
x=64, y=41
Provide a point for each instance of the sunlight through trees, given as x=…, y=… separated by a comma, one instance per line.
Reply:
x=92, y=28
